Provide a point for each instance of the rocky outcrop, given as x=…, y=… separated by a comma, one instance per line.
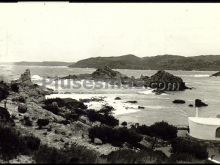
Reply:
x=25, y=78
x=106, y=73
x=215, y=74
x=165, y=81
x=199, y=103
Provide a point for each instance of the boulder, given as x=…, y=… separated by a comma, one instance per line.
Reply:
x=190, y=105
x=179, y=102
x=215, y=74
x=132, y=102
x=97, y=141
x=140, y=107
x=199, y=103
x=22, y=108
x=165, y=81
x=117, y=98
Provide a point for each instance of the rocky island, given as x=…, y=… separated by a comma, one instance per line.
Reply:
x=160, y=81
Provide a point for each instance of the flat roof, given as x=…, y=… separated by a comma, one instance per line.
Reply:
x=205, y=120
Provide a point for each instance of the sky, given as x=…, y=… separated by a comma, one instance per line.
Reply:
x=62, y=31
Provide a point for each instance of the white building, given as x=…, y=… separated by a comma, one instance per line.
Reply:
x=204, y=128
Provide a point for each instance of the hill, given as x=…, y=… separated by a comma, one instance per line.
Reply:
x=160, y=62
x=44, y=63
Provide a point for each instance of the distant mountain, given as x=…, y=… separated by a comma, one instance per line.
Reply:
x=44, y=63
x=160, y=62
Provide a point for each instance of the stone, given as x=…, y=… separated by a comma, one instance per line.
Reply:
x=215, y=74
x=117, y=98
x=132, y=102
x=140, y=107
x=179, y=102
x=97, y=141
x=22, y=108
x=199, y=103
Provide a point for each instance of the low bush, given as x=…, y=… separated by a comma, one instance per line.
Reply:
x=73, y=154
x=161, y=130
x=42, y=122
x=103, y=118
x=181, y=145
x=12, y=143
x=106, y=110
x=114, y=136
x=14, y=87
x=67, y=102
x=3, y=90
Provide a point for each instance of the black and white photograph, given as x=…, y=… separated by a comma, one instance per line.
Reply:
x=109, y=83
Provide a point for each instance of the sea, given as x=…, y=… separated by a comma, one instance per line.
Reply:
x=156, y=107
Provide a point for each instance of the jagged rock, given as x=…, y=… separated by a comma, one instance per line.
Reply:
x=165, y=81
x=25, y=78
x=215, y=74
x=199, y=103
x=179, y=102
x=97, y=141
x=22, y=108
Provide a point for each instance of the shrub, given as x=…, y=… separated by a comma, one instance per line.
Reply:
x=3, y=90
x=19, y=99
x=124, y=123
x=159, y=129
x=4, y=114
x=12, y=143
x=163, y=130
x=14, y=87
x=186, y=157
x=52, y=108
x=106, y=110
x=42, y=122
x=114, y=136
x=67, y=102
x=180, y=145
x=104, y=119
x=73, y=154
x=128, y=156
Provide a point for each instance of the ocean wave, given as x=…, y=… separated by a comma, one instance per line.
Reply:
x=201, y=75
x=146, y=92
x=36, y=77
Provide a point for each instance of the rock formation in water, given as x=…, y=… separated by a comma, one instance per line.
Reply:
x=165, y=81
x=215, y=74
x=161, y=81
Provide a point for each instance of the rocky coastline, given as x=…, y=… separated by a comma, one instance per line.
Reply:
x=62, y=127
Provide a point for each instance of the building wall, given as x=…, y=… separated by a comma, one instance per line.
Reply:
x=202, y=131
